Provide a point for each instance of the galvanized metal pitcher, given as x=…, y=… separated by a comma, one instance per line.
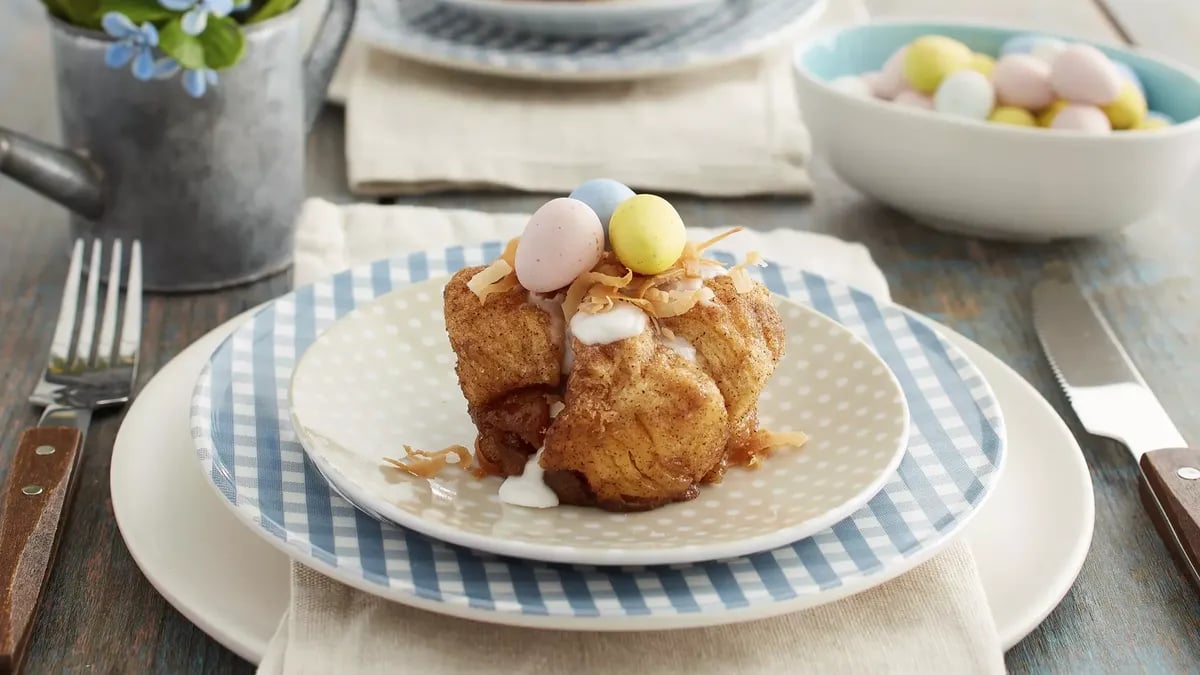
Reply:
x=211, y=186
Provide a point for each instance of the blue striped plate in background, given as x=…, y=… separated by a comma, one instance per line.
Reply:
x=248, y=450
x=432, y=32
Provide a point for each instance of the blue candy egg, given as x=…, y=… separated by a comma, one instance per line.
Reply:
x=1019, y=44
x=1039, y=46
x=1129, y=75
x=603, y=195
x=1155, y=115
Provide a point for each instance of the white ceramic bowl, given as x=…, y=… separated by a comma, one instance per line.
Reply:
x=994, y=180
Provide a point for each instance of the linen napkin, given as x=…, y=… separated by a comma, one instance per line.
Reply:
x=729, y=131
x=932, y=619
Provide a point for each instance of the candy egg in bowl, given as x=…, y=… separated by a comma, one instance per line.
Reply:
x=902, y=112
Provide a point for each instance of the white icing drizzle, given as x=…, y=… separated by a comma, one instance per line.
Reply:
x=529, y=489
x=553, y=307
x=680, y=346
x=556, y=408
x=568, y=361
x=621, y=322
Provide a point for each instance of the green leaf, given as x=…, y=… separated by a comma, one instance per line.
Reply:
x=184, y=48
x=81, y=12
x=137, y=10
x=220, y=45
x=56, y=8
x=271, y=9
x=223, y=42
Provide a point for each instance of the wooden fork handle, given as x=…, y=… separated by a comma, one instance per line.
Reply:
x=35, y=500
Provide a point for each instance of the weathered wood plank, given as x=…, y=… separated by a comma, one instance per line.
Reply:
x=1130, y=610
x=1161, y=26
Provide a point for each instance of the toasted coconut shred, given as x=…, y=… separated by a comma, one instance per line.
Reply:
x=427, y=464
x=763, y=444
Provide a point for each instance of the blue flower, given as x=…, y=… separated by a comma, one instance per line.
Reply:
x=134, y=43
x=198, y=11
x=197, y=81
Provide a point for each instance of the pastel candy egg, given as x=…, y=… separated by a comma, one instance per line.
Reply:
x=891, y=76
x=965, y=93
x=1128, y=110
x=871, y=78
x=1022, y=81
x=853, y=85
x=1154, y=120
x=1129, y=75
x=1083, y=74
x=1015, y=116
x=647, y=234
x=982, y=63
x=1019, y=44
x=602, y=195
x=1046, y=117
x=914, y=99
x=562, y=240
x=1085, y=118
x=1047, y=50
x=931, y=58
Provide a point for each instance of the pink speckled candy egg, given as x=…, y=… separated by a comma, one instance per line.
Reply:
x=891, y=78
x=1023, y=81
x=914, y=99
x=1083, y=74
x=1085, y=118
x=871, y=79
x=563, y=239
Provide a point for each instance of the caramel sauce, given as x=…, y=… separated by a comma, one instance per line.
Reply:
x=426, y=464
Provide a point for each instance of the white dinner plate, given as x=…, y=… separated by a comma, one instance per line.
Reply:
x=1029, y=541
x=383, y=377
x=584, y=17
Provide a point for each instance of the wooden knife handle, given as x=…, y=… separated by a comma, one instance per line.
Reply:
x=35, y=498
x=1170, y=488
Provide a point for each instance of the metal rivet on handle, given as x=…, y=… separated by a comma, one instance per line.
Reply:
x=1188, y=473
x=44, y=449
x=32, y=490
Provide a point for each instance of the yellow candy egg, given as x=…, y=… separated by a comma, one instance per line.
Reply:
x=931, y=58
x=1016, y=116
x=982, y=63
x=647, y=234
x=1128, y=111
x=1046, y=118
x=1148, y=123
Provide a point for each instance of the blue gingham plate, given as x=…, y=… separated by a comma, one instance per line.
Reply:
x=249, y=451
x=433, y=32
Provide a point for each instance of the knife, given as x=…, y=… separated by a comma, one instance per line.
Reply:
x=1111, y=399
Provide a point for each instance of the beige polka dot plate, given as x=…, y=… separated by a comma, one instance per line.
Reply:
x=383, y=377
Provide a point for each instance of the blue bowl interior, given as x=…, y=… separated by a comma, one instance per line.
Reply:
x=864, y=48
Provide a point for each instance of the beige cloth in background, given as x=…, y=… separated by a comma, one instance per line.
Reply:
x=933, y=619
x=729, y=131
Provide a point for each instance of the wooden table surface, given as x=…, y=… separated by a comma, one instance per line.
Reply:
x=1129, y=611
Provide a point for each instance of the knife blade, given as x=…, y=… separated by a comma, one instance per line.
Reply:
x=1111, y=399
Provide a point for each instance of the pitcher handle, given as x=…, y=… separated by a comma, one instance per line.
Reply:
x=323, y=55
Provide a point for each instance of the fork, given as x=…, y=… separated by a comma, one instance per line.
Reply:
x=95, y=370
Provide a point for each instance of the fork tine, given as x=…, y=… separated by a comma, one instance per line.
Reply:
x=131, y=328
x=60, y=346
x=108, y=325
x=87, y=324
